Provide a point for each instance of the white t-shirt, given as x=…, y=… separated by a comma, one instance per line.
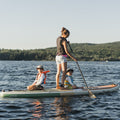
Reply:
x=40, y=81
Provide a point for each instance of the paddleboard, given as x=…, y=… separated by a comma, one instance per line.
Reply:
x=53, y=92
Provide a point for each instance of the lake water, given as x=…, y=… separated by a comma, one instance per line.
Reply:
x=16, y=75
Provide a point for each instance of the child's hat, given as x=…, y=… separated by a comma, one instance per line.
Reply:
x=69, y=69
x=40, y=67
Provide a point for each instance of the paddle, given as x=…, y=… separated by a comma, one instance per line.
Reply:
x=90, y=93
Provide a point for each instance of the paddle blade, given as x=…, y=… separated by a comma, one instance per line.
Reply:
x=91, y=94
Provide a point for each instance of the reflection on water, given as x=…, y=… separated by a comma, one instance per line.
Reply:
x=62, y=108
x=58, y=107
x=38, y=109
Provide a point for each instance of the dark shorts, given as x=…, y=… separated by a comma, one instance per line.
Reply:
x=40, y=87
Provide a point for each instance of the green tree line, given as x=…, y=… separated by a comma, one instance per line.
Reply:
x=83, y=52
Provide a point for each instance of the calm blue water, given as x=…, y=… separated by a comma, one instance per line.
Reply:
x=16, y=75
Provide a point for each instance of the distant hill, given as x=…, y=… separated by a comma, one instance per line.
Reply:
x=97, y=52
x=83, y=52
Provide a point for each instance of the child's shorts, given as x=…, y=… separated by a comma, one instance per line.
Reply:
x=68, y=87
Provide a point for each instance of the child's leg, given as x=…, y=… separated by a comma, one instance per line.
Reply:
x=31, y=87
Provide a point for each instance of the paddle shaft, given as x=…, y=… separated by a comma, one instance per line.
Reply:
x=90, y=93
x=82, y=75
x=79, y=68
x=70, y=47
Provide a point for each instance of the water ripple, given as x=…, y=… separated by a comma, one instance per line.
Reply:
x=16, y=75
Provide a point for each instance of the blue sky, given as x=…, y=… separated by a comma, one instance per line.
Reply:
x=31, y=24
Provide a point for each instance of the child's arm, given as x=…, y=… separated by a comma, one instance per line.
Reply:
x=41, y=80
x=70, y=81
x=36, y=79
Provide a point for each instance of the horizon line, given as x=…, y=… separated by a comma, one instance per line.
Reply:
x=56, y=46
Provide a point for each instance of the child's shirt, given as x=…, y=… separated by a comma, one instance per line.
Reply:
x=68, y=83
x=40, y=80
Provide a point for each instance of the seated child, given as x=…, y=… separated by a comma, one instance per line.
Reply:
x=68, y=83
x=40, y=79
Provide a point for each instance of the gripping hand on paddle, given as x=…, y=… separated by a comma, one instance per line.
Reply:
x=75, y=59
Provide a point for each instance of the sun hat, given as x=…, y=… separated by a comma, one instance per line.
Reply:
x=69, y=69
x=40, y=67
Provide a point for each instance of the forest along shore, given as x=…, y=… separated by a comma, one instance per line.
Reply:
x=82, y=51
